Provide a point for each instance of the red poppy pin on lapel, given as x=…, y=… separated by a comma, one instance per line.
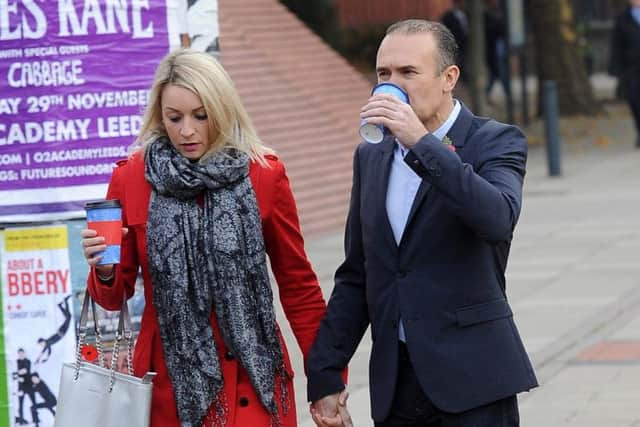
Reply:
x=449, y=143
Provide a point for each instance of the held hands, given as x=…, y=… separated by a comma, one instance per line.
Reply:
x=331, y=411
x=395, y=115
x=91, y=245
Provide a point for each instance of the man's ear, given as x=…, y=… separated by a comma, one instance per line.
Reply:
x=451, y=75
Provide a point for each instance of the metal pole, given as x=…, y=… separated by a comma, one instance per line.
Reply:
x=550, y=95
x=475, y=57
x=507, y=64
x=523, y=77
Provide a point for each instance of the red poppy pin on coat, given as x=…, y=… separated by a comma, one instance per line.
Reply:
x=89, y=353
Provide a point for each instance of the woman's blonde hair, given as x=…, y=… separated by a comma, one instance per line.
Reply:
x=203, y=75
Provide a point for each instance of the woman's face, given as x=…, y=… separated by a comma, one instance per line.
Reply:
x=185, y=120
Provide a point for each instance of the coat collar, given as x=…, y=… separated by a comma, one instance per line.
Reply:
x=460, y=129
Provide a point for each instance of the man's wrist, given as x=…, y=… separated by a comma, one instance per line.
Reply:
x=320, y=387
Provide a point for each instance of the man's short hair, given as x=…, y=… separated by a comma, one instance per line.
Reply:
x=446, y=42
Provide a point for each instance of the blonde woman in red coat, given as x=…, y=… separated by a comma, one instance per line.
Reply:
x=203, y=203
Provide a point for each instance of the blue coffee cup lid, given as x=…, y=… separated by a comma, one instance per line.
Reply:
x=391, y=88
x=103, y=204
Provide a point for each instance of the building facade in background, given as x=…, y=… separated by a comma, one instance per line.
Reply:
x=361, y=13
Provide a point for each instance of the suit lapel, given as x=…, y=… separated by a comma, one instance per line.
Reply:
x=385, y=157
x=458, y=135
x=460, y=129
x=421, y=195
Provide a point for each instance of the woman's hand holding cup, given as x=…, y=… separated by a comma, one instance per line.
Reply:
x=102, y=238
x=93, y=246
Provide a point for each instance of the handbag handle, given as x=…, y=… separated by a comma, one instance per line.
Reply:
x=123, y=331
x=82, y=328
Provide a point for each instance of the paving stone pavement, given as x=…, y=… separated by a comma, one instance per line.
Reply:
x=573, y=281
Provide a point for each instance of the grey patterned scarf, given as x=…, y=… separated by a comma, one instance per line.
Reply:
x=207, y=258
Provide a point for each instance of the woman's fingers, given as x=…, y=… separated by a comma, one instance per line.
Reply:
x=91, y=245
x=87, y=232
x=92, y=258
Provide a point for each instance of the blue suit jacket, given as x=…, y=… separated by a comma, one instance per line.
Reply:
x=445, y=277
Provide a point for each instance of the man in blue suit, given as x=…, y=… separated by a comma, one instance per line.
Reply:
x=432, y=213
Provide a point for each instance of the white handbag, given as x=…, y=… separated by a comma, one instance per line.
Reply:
x=92, y=395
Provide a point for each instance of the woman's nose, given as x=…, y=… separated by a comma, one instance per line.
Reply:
x=187, y=128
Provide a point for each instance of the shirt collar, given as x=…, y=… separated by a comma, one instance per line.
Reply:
x=444, y=128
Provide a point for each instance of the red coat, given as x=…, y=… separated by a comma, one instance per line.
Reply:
x=300, y=294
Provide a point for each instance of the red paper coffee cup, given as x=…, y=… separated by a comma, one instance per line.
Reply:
x=106, y=218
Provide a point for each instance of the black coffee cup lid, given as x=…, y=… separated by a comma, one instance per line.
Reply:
x=103, y=204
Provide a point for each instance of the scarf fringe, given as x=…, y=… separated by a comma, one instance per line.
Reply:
x=282, y=380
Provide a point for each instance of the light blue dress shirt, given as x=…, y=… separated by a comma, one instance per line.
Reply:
x=403, y=186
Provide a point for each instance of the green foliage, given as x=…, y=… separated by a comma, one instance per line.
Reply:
x=360, y=45
x=320, y=16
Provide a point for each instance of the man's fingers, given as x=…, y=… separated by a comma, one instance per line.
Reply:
x=332, y=421
x=346, y=417
x=383, y=113
x=325, y=411
x=342, y=399
x=385, y=97
x=379, y=103
x=316, y=419
x=380, y=114
x=326, y=421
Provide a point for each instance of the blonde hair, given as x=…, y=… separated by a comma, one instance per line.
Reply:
x=203, y=75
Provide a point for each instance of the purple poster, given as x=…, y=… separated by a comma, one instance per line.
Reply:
x=74, y=78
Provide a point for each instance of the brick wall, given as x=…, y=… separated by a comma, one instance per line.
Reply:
x=304, y=100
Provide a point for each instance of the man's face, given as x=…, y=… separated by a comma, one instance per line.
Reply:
x=634, y=3
x=21, y=355
x=412, y=62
